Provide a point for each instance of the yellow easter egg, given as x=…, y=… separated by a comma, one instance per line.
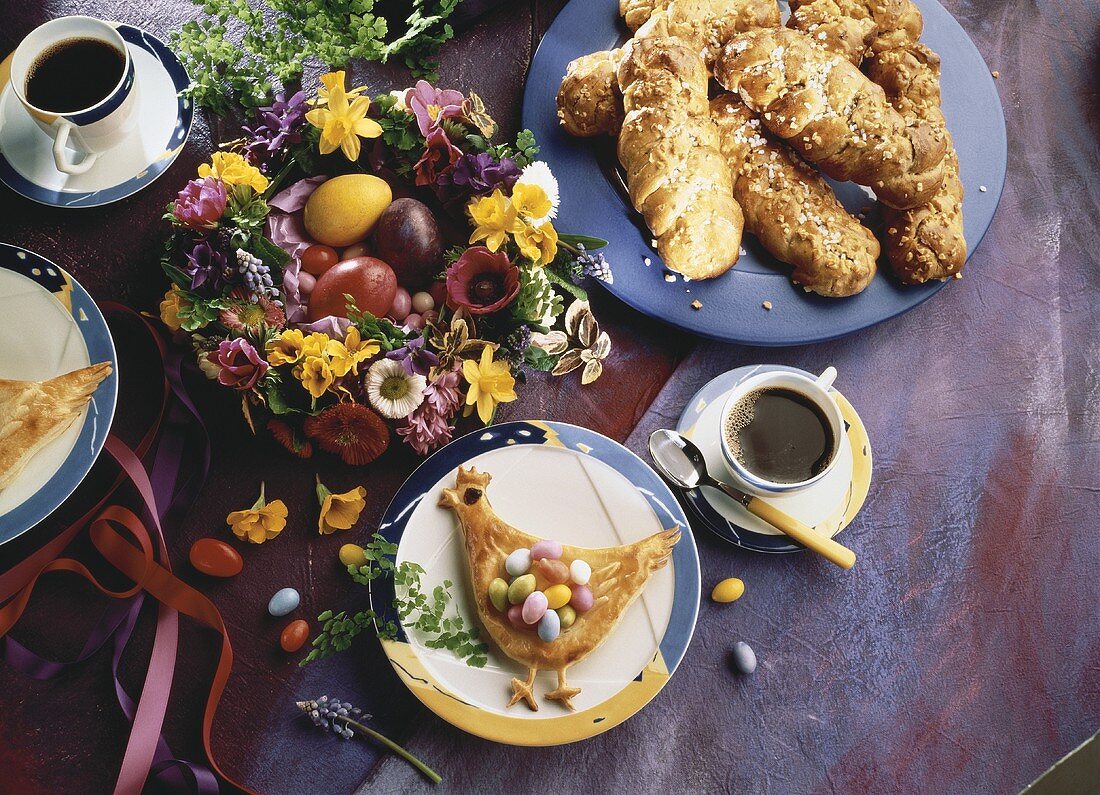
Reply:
x=728, y=590
x=345, y=209
x=352, y=555
x=558, y=596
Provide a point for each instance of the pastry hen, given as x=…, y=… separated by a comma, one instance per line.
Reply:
x=617, y=577
x=34, y=413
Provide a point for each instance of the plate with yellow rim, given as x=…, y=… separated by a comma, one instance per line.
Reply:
x=828, y=506
x=555, y=481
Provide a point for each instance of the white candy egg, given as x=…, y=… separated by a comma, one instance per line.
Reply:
x=580, y=572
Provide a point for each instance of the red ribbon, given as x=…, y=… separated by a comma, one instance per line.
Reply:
x=147, y=564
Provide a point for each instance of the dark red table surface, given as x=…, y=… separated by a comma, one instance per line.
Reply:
x=961, y=654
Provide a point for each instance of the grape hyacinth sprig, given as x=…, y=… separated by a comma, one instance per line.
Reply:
x=343, y=720
x=257, y=276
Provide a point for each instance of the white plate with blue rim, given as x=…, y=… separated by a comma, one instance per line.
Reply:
x=165, y=116
x=828, y=506
x=49, y=325
x=557, y=481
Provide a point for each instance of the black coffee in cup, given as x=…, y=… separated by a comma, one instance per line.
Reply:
x=74, y=74
x=780, y=435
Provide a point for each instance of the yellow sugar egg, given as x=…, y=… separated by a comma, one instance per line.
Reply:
x=558, y=596
x=353, y=555
x=728, y=590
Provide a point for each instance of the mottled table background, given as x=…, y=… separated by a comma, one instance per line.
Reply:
x=962, y=654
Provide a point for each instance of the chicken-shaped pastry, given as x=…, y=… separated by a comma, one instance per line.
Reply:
x=613, y=577
x=34, y=413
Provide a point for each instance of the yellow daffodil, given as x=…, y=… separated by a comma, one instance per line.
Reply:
x=531, y=201
x=170, y=308
x=345, y=357
x=490, y=383
x=538, y=243
x=339, y=511
x=232, y=169
x=335, y=80
x=316, y=375
x=262, y=522
x=494, y=218
x=343, y=122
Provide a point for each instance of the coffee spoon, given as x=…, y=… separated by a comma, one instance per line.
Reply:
x=681, y=462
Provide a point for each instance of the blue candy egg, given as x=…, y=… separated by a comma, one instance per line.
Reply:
x=284, y=600
x=744, y=658
x=549, y=626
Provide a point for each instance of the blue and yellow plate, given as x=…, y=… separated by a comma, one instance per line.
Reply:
x=49, y=325
x=164, y=123
x=556, y=481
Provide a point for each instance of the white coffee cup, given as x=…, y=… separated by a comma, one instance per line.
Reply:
x=92, y=130
x=817, y=390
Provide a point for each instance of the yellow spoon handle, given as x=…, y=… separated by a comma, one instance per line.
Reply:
x=802, y=533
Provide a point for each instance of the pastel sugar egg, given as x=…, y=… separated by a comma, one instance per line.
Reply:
x=521, y=588
x=284, y=600
x=744, y=658
x=515, y=617
x=582, y=599
x=558, y=596
x=546, y=549
x=518, y=563
x=553, y=571
x=498, y=594
x=534, y=607
x=566, y=616
x=728, y=590
x=580, y=572
x=549, y=626
x=353, y=555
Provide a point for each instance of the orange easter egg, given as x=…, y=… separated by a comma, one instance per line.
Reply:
x=294, y=636
x=215, y=558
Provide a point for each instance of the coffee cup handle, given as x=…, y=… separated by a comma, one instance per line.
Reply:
x=825, y=380
x=60, y=158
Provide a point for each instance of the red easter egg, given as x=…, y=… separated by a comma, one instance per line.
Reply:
x=294, y=636
x=318, y=259
x=215, y=558
x=369, y=281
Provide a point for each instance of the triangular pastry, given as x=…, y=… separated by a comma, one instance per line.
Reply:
x=606, y=583
x=34, y=413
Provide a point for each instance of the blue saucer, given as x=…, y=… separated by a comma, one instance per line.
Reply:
x=732, y=304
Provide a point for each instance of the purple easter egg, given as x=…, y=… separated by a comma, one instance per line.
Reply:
x=515, y=617
x=582, y=600
x=545, y=549
x=534, y=607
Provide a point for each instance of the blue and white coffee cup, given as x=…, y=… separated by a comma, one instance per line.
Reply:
x=89, y=131
x=817, y=390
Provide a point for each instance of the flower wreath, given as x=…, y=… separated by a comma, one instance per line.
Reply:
x=244, y=269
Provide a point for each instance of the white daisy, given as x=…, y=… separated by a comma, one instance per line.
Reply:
x=392, y=391
x=538, y=173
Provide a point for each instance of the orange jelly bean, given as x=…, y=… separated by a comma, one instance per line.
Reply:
x=215, y=558
x=294, y=635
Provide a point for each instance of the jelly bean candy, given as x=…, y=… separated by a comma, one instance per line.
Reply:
x=518, y=563
x=521, y=588
x=580, y=572
x=566, y=615
x=353, y=555
x=546, y=549
x=549, y=626
x=534, y=607
x=498, y=594
x=558, y=595
x=294, y=636
x=216, y=558
x=728, y=590
x=744, y=658
x=283, y=602
x=553, y=571
x=582, y=599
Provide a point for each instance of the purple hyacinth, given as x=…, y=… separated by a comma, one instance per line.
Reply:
x=414, y=358
x=208, y=268
x=277, y=126
x=594, y=265
x=257, y=276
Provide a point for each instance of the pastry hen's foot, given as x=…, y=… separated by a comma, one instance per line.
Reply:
x=525, y=691
x=564, y=693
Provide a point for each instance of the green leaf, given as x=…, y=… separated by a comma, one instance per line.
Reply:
x=589, y=243
x=566, y=285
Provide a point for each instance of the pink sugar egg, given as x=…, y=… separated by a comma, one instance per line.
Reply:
x=534, y=607
x=306, y=282
x=515, y=617
x=582, y=600
x=546, y=549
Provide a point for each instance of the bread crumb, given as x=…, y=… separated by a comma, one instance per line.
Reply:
x=981, y=188
x=767, y=305
x=670, y=277
x=958, y=275
x=647, y=261
x=996, y=74
x=696, y=304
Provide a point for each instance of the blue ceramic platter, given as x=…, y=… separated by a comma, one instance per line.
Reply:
x=164, y=124
x=732, y=304
x=49, y=325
